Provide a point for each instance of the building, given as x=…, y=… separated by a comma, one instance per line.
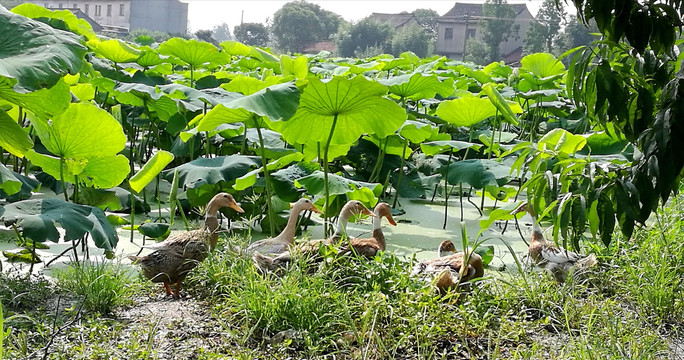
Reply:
x=462, y=23
x=170, y=16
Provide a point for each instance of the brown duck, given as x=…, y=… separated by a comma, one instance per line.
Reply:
x=448, y=269
x=547, y=255
x=349, y=209
x=368, y=247
x=173, y=258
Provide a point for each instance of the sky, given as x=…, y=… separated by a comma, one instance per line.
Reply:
x=205, y=14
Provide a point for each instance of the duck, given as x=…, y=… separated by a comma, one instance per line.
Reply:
x=176, y=256
x=369, y=247
x=270, y=263
x=285, y=239
x=547, y=255
x=447, y=270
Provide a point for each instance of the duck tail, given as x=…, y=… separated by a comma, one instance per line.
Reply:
x=587, y=262
x=266, y=263
x=134, y=258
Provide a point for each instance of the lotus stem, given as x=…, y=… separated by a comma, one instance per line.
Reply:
x=446, y=189
x=267, y=176
x=401, y=174
x=61, y=178
x=132, y=211
x=325, y=175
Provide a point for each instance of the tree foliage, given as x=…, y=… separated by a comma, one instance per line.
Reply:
x=577, y=34
x=412, y=38
x=497, y=25
x=221, y=32
x=427, y=18
x=206, y=35
x=477, y=51
x=543, y=35
x=299, y=23
x=252, y=34
x=367, y=33
x=639, y=90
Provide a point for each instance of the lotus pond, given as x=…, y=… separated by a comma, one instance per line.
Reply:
x=109, y=146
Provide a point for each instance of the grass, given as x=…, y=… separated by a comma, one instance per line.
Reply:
x=101, y=287
x=629, y=306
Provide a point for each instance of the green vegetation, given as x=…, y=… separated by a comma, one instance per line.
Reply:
x=591, y=146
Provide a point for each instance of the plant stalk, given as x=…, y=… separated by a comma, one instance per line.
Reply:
x=400, y=175
x=325, y=176
x=267, y=177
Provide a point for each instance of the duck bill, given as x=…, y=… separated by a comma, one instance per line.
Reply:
x=367, y=212
x=236, y=207
x=390, y=219
x=315, y=209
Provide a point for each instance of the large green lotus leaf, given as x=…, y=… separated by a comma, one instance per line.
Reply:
x=38, y=219
x=99, y=171
x=60, y=19
x=150, y=170
x=417, y=132
x=83, y=91
x=508, y=111
x=34, y=55
x=212, y=171
x=82, y=131
x=466, y=111
x=275, y=102
x=192, y=52
x=115, y=50
x=418, y=86
x=13, y=138
x=247, y=85
x=392, y=145
x=337, y=184
x=8, y=182
x=478, y=173
x=542, y=65
x=149, y=58
x=45, y=103
x=298, y=67
x=283, y=180
x=561, y=140
x=240, y=49
x=358, y=104
x=415, y=184
x=314, y=150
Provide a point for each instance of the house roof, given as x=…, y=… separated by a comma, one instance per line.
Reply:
x=395, y=20
x=81, y=15
x=466, y=9
x=319, y=46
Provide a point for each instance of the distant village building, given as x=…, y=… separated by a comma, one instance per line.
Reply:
x=396, y=21
x=462, y=23
x=170, y=16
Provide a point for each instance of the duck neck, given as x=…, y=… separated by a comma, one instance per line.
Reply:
x=537, y=233
x=210, y=218
x=288, y=232
x=341, y=229
x=377, y=231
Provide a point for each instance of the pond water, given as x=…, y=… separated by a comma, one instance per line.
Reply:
x=419, y=231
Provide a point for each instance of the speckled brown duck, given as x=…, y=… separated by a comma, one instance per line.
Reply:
x=547, y=255
x=174, y=257
x=369, y=247
x=450, y=268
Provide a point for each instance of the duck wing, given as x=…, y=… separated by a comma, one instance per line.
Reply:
x=268, y=247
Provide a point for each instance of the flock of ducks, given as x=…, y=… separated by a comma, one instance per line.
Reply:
x=176, y=256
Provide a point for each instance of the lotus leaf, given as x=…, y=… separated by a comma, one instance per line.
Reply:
x=34, y=55
x=283, y=181
x=212, y=171
x=466, y=111
x=561, y=140
x=417, y=132
x=87, y=139
x=9, y=184
x=437, y=147
x=478, y=173
x=338, y=185
x=250, y=178
x=60, y=19
x=115, y=50
x=298, y=67
x=28, y=186
x=192, y=52
x=44, y=103
x=508, y=111
x=415, y=184
x=543, y=65
x=155, y=230
x=418, y=86
x=38, y=219
x=357, y=104
x=150, y=170
x=13, y=138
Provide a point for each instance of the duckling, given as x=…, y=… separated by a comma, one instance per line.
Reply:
x=285, y=239
x=448, y=268
x=349, y=209
x=547, y=255
x=370, y=246
x=174, y=257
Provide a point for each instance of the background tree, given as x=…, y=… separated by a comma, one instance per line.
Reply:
x=367, y=33
x=251, y=34
x=497, y=26
x=427, y=18
x=477, y=51
x=222, y=33
x=543, y=35
x=206, y=35
x=577, y=34
x=299, y=23
x=412, y=38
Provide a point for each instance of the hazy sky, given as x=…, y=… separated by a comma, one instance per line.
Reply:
x=205, y=14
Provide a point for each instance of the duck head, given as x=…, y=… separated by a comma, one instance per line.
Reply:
x=383, y=210
x=220, y=200
x=304, y=204
x=446, y=248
